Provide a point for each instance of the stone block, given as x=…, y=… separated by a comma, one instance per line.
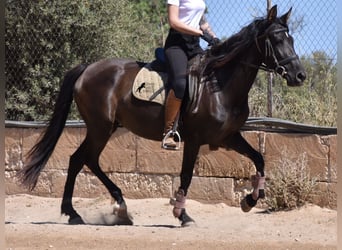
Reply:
x=57, y=179
x=209, y=189
x=253, y=138
x=331, y=142
x=139, y=186
x=143, y=170
x=326, y=195
x=12, y=184
x=89, y=186
x=13, y=149
x=67, y=144
x=44, y=184
x=133, y=186
x=43, y=187
x=119, y=155
x=151, y=158
x=30, y=137
x=293, y=147
x=225, y=163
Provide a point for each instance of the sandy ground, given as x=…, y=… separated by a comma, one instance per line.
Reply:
x=35, y=223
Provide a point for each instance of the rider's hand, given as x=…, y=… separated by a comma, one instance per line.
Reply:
x=210, y=39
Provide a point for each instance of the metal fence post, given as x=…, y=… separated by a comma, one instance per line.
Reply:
x=269, y=79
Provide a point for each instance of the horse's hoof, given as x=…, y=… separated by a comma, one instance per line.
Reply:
x=244, y=206
x=186, y=220
x=190, y=223
x=120, y=221
x=122, y=217
x=76, y=221
x=247, y=203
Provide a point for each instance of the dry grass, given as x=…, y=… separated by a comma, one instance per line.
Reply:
x=290, y=184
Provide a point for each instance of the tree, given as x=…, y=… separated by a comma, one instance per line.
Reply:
x=155, y=12
x=314, y=103
x=44, y=39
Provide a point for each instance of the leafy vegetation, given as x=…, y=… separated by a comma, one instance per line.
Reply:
x=46, y=38
x=313, y=103
x=43, y=39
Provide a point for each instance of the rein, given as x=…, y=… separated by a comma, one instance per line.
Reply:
x=269, y=53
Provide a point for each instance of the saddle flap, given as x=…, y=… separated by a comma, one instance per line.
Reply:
x=149, y=85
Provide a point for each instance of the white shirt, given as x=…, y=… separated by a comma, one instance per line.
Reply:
x=190, y=11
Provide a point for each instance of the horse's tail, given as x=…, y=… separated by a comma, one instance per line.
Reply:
x=41, y=152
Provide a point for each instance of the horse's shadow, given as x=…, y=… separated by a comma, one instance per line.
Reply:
x=36, y=223
x=158, y=226
x=98, y=219
x=93, y=224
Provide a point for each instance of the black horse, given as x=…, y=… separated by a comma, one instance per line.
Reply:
x=103, y=93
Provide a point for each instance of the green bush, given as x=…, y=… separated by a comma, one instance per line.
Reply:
x=313, y=103
x=44, y=39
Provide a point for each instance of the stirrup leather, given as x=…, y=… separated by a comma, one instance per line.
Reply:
x=173, y=134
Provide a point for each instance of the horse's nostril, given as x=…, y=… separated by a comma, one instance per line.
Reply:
x=301, y=76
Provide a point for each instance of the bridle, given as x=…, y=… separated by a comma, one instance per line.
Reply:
x=269, y=53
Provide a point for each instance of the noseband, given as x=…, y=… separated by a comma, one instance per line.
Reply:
x=269, y=53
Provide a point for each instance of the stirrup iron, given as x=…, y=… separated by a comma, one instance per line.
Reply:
x=173, y=134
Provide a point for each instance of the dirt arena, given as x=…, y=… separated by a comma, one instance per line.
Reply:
x=34, y=222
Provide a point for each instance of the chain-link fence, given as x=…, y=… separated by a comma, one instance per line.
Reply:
x=44, y=39
x=313, y=23
x=38, y=56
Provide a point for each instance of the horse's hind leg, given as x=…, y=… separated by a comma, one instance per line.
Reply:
x=97, y=141
x=239, y=144
x=121, y=210
x=88, y=154
x=75, y=165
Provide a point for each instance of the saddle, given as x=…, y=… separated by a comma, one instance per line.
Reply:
x=150, y=83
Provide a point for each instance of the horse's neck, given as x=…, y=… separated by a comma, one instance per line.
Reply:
x=239, y=80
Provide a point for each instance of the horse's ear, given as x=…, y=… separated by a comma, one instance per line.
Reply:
x=284, y=18
x=272, y=14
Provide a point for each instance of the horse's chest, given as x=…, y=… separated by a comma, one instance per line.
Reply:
x=235, y=115
x=235, y=118
x=220, y=117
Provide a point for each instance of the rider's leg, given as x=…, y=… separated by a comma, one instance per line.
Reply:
x=177, y=67
x=172, y=107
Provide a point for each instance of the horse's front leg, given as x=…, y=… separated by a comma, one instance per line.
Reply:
x=239, y=144
x=190, y=153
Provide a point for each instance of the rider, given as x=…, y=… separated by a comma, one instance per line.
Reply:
x=187, y=24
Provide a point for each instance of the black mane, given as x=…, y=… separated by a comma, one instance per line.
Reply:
x=234, y=45
x=239, y=41
x=228, y=50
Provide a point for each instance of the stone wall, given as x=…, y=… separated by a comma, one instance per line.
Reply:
x=143, y=170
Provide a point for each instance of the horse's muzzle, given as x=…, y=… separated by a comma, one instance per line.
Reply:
x=296, y=80
x=301, y=76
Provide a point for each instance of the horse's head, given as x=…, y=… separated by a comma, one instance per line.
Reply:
x=276, y=44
